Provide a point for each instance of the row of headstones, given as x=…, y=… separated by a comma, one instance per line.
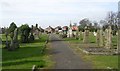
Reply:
x=14, y=43
x=104, y=39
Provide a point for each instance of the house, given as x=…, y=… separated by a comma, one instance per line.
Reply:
x=49, y=29
x=72, y=31
x=64, y=31
x=41, y=29
x=37, y=31
x=58, y=29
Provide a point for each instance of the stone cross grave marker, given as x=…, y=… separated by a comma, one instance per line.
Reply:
x=14, y=41
x=108, y=36
x=86, y=35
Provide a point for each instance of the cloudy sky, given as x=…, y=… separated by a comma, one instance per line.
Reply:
x=53, y=12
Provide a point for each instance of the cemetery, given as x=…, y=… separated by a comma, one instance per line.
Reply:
x=93, y=51
x=105, y=34
x=26, y=47
x=64, y=37
x=22, y=48
x=95, y=45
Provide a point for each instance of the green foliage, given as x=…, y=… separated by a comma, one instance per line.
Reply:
x=12, y=27
x=103, y=62
x=92, y=38
x=24, y=27
x=24, y=30
x=81, y=28
x=84, y=22
x=93, y=29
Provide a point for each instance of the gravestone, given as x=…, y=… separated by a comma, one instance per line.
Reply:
x=118, y=42
x=101, y=38
x=108, y=35
x=15, y=38
x=104, y=38
x=98, y=37
x=95, y=34
x=31, y=35
x=7, y=43
x=14, y=41
x=70, y=33
x=77, y=35
x=86, y=35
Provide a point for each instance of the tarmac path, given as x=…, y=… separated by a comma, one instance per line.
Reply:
x=64, y=57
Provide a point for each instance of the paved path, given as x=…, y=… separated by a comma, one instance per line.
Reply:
x=64, y=57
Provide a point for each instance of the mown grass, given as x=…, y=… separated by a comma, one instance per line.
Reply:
x=26, y=56
x=92, y=39
x=102, y=61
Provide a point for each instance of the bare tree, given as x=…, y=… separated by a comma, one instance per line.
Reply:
x=102, y=23
x=84, y=22
x=111, y=18
x=95, y=23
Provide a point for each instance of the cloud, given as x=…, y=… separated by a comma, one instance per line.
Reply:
x=51, y=11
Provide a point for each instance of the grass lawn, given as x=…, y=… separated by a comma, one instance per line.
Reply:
x=26, y=56
x=102, y=61
x=92, y=39
x=98, y=61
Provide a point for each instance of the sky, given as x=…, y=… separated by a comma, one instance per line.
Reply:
x=53, y=12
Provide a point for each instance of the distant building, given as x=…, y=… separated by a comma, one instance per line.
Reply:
x=36, y=31
x=49, y=29
x=72, y=32
x=41, y=29
x=65, y=28
x=58, y=29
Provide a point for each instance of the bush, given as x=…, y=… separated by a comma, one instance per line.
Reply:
x=24, y=30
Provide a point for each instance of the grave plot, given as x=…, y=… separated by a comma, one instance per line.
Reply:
x=99, y=51
x=106, y=44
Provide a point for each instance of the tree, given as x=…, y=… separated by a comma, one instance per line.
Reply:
x=118, y=19
x=84, y=22
x=95, y=24
x=102, y=23
x=111, y=18
x=24, y=30
x=12, y=27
